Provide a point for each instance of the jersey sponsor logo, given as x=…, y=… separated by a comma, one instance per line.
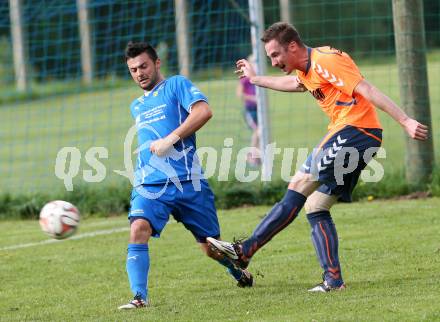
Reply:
x=154, y=110
x=154, y=114
x=155, y=163
x=318, y=94
x=162, y=117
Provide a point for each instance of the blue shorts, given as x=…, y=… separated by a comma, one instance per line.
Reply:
x=338, y=160
x=194, y=209
x=251, y=119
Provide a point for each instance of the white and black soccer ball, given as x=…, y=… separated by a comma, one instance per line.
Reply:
x=59, y=219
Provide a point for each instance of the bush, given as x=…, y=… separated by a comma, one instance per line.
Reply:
x=115, y=199
x=434, y=187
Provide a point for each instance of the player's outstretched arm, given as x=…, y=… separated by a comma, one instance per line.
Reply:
x=279, y=83
x=414, y=129
x=200, y=114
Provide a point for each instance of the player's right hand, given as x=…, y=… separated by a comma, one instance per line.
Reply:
x=244, y=69
x=161, y=146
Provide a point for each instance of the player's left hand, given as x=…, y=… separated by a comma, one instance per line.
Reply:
x=160, y=147
x=415, y=130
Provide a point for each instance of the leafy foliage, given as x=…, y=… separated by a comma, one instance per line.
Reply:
x=110, y=200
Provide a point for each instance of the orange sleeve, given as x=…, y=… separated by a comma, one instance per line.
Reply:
x=338, y=70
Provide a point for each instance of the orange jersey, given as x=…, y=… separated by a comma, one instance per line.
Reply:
x=331, y=77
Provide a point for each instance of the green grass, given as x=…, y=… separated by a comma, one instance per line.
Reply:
x=390, y=254
x=33, y=132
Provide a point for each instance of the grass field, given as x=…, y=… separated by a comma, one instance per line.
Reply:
x=33, y=132
x=390, y=252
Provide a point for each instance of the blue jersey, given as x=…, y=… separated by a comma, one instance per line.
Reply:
x=157, y=114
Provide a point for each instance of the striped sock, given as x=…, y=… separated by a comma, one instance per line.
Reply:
x=281, y=215
x=325, y=241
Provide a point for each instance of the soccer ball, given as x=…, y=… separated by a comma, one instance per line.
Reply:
x=59, y=219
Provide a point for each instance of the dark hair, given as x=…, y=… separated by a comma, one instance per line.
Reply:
x=134, y=49
x=282, y=32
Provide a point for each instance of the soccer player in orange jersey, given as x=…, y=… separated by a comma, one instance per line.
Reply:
x=349, y=101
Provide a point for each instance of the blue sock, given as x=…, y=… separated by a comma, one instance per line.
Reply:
x=325, y=240
x=281, y=215
x=236, y=273
x=138, y=263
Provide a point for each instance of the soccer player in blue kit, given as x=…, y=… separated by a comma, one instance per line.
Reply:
x=168, y=179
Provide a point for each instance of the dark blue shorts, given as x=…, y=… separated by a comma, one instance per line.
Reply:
x=338, y=160
x=194, y=209
x=251, y=119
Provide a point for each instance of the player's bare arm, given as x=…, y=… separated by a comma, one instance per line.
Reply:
x=414, y=129
x=200, y=114
x=279, y=83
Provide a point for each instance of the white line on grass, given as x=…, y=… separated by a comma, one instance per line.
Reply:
x=79, y=236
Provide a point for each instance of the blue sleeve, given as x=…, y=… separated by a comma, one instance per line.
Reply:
x=187, y=94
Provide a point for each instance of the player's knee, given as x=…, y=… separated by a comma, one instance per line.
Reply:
x=308, y=207
x=312, y=205
x=140, y=231
x=303, y=183
x=319, y=202
x=315, y=206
